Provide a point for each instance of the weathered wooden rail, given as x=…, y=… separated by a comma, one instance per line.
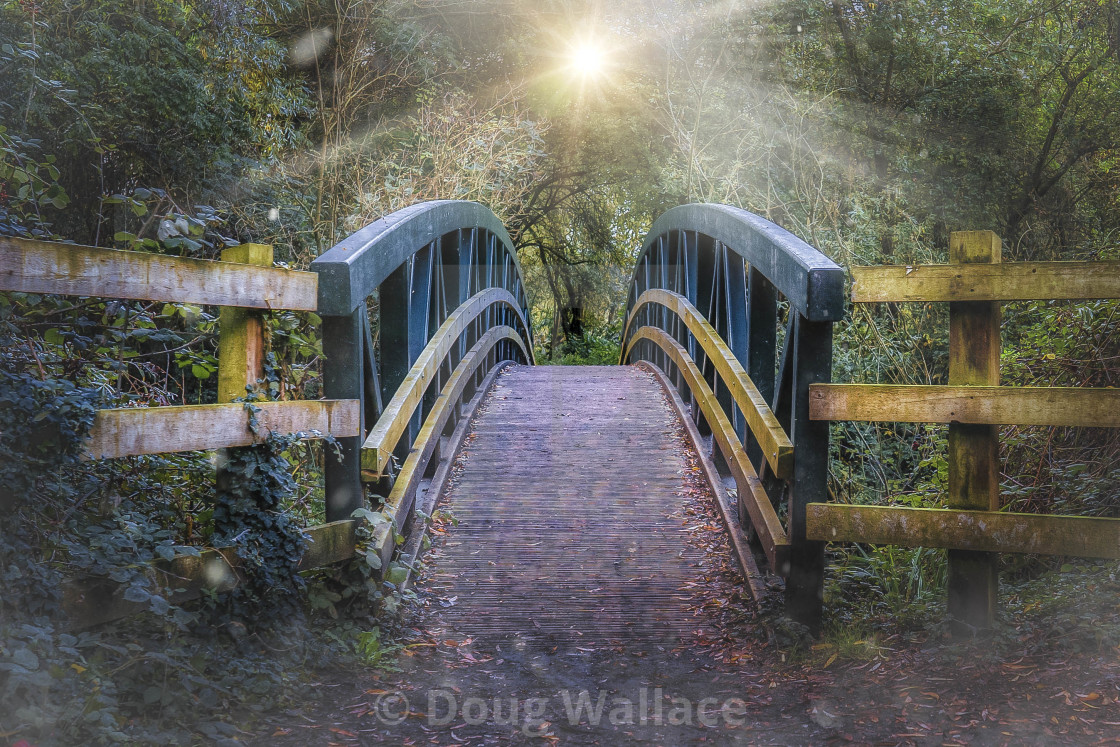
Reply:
x=237, y=282
x=972, y=528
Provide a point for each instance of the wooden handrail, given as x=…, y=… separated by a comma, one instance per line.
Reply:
x=1005, y=281
x=383, y=438
x=400, y=499
x=752, y=495
x=984, y=405
x=134, y=431
x=973, y=531
x=776, y=446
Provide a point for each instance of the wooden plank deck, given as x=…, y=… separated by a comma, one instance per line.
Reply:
x=568, y=506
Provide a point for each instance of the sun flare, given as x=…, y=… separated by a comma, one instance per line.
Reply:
x=588, y=59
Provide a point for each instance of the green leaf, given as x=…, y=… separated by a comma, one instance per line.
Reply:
x=366, y=515
x=397, y=574
x=136, y=594
x=159, y=605
x=26, y=658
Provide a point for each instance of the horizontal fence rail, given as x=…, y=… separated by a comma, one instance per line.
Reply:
x=974, y=531
x=704, y=306
x=989, y=405
x=134, y=431
x=973, y=528
x=31, y=266
x=1005, y=281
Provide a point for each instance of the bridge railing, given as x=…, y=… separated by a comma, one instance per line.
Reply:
x=973, y=404
x=245, y=286
x=706, y=305
x=450, y=306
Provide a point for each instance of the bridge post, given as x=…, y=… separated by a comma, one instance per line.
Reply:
x=812, y=364
x=343, y=379
x=974, y=349
x=762, y=346
x=705, y=290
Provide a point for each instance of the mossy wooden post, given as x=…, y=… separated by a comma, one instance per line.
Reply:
x=974, y=348
x=241, y=340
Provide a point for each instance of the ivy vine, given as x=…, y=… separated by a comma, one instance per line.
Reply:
x=254, y=483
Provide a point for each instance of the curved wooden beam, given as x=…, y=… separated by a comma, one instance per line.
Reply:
x=403, y=494
x=776, y=446
x=394, y=419
x=775, y=542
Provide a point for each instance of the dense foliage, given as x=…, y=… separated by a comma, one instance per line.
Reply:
x=871, y=129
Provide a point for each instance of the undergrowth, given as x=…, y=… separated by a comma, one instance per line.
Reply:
x=877, y=593
x=179, y=673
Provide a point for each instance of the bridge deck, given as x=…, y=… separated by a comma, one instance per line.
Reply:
x=569, y=510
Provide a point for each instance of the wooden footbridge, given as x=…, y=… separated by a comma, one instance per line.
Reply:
x=570, y=473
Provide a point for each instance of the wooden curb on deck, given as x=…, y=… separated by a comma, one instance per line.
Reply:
x=757, y=581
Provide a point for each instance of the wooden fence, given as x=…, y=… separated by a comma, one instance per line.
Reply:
x=973, y=404
x=246, y=286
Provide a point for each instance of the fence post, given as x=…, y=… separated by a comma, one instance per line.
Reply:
x=973, y=459
x=241, y=332
x=241, y=343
